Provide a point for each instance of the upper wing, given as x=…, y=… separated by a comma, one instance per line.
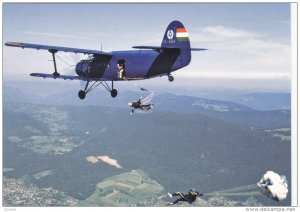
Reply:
x=55, y=48
x=65, y=77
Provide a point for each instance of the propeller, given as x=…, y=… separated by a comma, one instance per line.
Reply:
x=70, y=59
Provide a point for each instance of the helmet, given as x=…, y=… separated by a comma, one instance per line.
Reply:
x=193, y=192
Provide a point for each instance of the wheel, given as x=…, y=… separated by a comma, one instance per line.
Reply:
x=81, y=94
x=114, y=93
x=170, y=78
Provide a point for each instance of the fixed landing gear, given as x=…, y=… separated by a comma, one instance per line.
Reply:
x=81, y=94
x=113, y=92
x=170, y=78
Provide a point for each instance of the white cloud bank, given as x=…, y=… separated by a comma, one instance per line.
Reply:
x=238, y=53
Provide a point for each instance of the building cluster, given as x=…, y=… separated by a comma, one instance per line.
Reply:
x=17, y=193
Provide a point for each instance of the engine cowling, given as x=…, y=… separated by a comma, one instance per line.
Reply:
x=83, y=68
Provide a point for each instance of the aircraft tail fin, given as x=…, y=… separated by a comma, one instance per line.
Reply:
x=176, y=45
x=176, y=36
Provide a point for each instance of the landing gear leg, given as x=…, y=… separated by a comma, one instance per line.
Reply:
x=113, y=91
x=81, y=93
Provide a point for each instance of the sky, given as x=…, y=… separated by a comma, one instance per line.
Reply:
x=249, y=43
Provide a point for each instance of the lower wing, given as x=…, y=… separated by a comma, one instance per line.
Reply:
x=65, y=77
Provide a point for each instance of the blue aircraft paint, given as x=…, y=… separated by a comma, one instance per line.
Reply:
x=147, y=62
x=172, y=56
x=136, y=63
x=171, y=42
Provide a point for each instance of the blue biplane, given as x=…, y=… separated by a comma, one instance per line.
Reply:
x=144, y=63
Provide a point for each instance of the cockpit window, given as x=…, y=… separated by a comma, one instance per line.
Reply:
x=91, y=57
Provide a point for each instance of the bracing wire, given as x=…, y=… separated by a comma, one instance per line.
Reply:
x=63, y=60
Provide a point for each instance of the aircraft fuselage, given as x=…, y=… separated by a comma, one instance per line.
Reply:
x=139, y=64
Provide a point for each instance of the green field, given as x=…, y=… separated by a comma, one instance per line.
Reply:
x=283, y=133
x=129, y=188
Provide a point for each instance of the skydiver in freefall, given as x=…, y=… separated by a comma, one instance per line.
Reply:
x=139, y=105
x=135, y=105
x=190, y=197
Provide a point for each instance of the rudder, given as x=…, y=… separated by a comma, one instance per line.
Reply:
x=176, y=36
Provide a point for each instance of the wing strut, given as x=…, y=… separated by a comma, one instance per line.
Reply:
x=53, y=51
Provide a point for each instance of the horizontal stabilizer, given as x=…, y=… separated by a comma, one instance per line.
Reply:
x=55, y=49
x=156, y=48
x=198, y=49
x=147, y=47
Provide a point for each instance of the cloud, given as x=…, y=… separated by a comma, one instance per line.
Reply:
x=235, y=39
x=57, y=35
x=236, y=75
x=240, y=53
x=227, y=32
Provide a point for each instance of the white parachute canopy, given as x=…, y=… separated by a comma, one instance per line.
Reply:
x=274, y=185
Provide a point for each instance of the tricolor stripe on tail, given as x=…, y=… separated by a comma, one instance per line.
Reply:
x=182, y=35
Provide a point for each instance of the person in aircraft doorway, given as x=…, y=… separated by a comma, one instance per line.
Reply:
x=121, y=69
